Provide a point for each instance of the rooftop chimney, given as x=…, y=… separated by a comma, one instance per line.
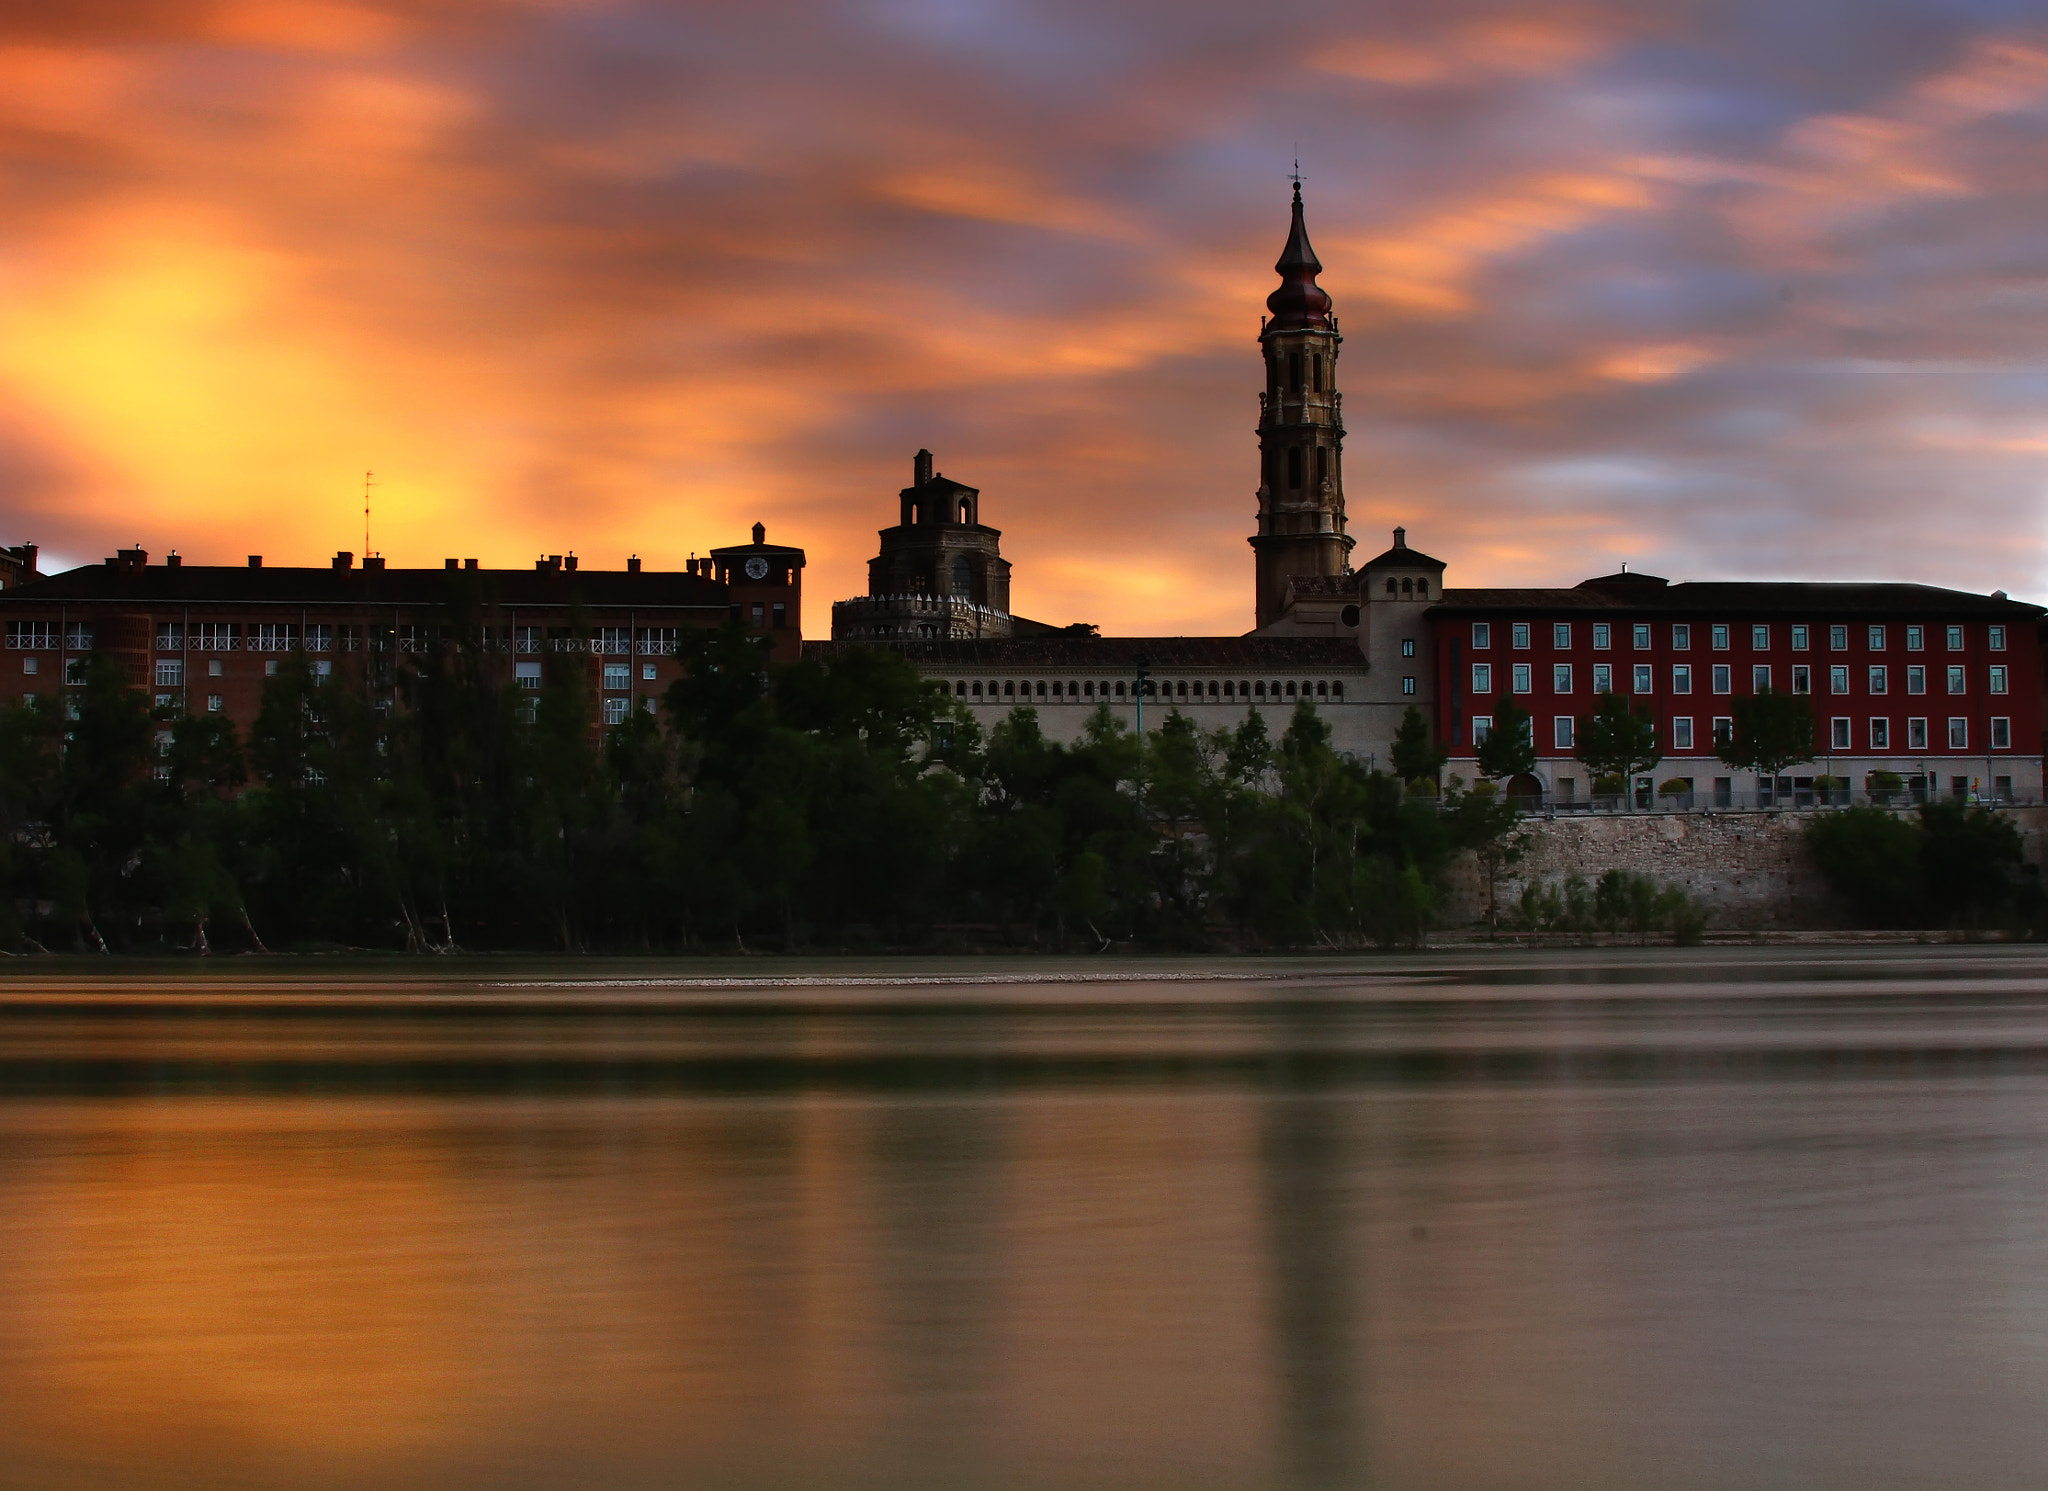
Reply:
x=255, y=561
x=569, y=563
x=760, y=533
x=1400, y=538
x=921, y=469
x=343, y=559
x=469, y=564
x=633, y=565
x=373, y=561
x=448, y=564
x=171, y=560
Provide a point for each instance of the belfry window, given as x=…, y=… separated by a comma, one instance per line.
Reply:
x=1294, y=467
x=1316, y=372
x=1294, y=372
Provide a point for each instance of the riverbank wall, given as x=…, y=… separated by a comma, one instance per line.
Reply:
x=1750, y=870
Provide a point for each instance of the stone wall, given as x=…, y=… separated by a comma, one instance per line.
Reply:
x=1750, y=869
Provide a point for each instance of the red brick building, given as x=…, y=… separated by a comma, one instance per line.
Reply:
x=203, y=638
x=1942, y=687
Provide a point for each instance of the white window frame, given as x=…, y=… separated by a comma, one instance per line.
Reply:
x=1524, y=679
x=1841, y=733
x=1482, y=636
x=1876, y=637
x=1681, y=636
x=1800, y=638
x=1561, y=728
x=1560, y=678
x=1603, y=636
x=1880, y=727
x=1482, y=678
x=1955, y=639
x=1759, y=677
x=1518, y=636
x=1681, y=733
x=1959, y=732
x=1916, y=638
x=2001, y=732
x=1838, y=638
x=1681, y=678
x=1718, y=637
x=1645, y=679
x=1958, y=679
x=1561, y=635
x=1759, y=637
x=1997, y=678
x=1916, y=733
x=1802, y=678
x=1995, y=638
x=1722, y=678
x=1916, y=678
x=1838, y=678
x=1639, y=636
x=1482, y=726
x=1879, y=679
x=1603, y=678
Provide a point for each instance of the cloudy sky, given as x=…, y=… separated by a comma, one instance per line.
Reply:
x=1723, y=290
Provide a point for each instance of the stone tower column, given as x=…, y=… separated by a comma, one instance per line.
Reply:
x=1301, y=432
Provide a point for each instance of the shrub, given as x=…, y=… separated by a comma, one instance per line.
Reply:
x=1674, y=787
x=1872, y=859
x=1884, y=783
x=1612, y=784
x=1623, y=901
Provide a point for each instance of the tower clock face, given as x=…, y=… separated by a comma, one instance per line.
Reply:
x=757, y=568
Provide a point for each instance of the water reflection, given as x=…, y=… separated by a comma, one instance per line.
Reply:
x=1583, y=1224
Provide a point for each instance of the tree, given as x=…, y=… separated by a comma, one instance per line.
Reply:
x=1417, y=756
x=1772, y=731
x=1509, y=749
x=1615, y=740
x=1484, y=820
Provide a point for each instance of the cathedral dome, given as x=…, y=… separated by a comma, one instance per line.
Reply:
x=1300, y=304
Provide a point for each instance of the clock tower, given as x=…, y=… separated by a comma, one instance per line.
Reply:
x=1301, y=432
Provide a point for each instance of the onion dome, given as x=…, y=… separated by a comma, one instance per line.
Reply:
x=1300, y=304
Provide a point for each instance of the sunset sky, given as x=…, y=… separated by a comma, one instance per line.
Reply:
x=1723, y=290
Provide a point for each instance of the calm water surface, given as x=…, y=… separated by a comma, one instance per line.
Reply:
x=1740, y=1218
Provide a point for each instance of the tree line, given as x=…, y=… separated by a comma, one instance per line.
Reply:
x=844, y=801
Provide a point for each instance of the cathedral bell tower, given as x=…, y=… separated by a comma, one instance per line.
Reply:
x=1301, y=432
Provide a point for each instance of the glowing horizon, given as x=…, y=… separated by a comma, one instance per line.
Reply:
x=1719, y=295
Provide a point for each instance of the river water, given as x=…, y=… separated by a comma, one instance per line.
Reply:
x=1728, y=1218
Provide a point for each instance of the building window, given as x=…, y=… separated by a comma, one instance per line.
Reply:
x=78, y=636
x=1838, y=680
x=1838, y=734
x=215, y=667
x=170, y=637
x=1603, y=678
x=1719, y=637
x=319, y=638
x=2001, y=733
x=1802, y=679
x=1641, y=637
x=1561, y=635
x=1723, y=681
x=1681, y=733
x=757, y=612
x=1522, y=681
x=1916, y=735
x=1955, y=680
x=1760, y=638
x=270, y=667
x=1560, y=678
x=527, y=675
x=1407, y=647
x=1880, y=735
x=1681, y=636
x=1799, y=638
x=1916, y=678
x=1878, y=678
x=1681, y=678
x=647, y=674
x=1998, y=678
x=1958, y=733
x=74, y=672
x=1955, y=639
x=615, y=710
x=1482, y=634
x=170, y=673
x=1644, y=678
x=1997, y=638
x=1916, y=638
x=215, y=704
x=1724, y=729
x=1603, y=636
x=31, y=634
x=1877, y=639
x=1838, y=639
x=1759, y=677
x=618, y=675
x=1482, y=726
x=1518, y=635
x=1561, y=731
x=31, y=665
x=1408, y=685
x=1482, y=678
x=1336, y=689
x=781, y=614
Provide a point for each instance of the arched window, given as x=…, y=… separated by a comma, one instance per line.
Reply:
x=1407, y=586
x=963, y=577
x=1181, y=688
x=1294, y=372
x=1316, y=372
x=1322, y=689
x=1009, y=688
x=1392, y=588
x=1294, y=466
x=1290, y=688
x=963, y=510
x=1119, y=689
x=1422, y=588
x=960, y=689
x=1337, y=689
x=1229, y=690
x=1259, y=688
x=977, y=688
x=1212, y=688
x=1041, y=688
x=1088, y=688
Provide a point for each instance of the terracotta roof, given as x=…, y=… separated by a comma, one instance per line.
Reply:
x=1085, y=654
x=205, y=585
x=1645, y=593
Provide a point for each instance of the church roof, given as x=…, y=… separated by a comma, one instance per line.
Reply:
x=1300, y=304
x=1402, y=554
x=1251, y=655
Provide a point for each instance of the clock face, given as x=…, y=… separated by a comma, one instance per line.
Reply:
x=757, y=568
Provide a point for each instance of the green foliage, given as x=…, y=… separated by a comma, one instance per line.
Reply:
x=1509, y=749
x=1417, y=756
x=1946, y=866
x=1674, y=787
x=1621, y=902
x=1884, y=783
x=1615, y=740
x=420, y=800
x=1771, y=732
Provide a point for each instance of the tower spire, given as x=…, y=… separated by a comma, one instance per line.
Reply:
x=1300, y=304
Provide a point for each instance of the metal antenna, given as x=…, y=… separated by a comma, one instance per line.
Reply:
x=369, y=481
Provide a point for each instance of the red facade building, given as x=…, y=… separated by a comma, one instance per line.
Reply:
x=1941, y=687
